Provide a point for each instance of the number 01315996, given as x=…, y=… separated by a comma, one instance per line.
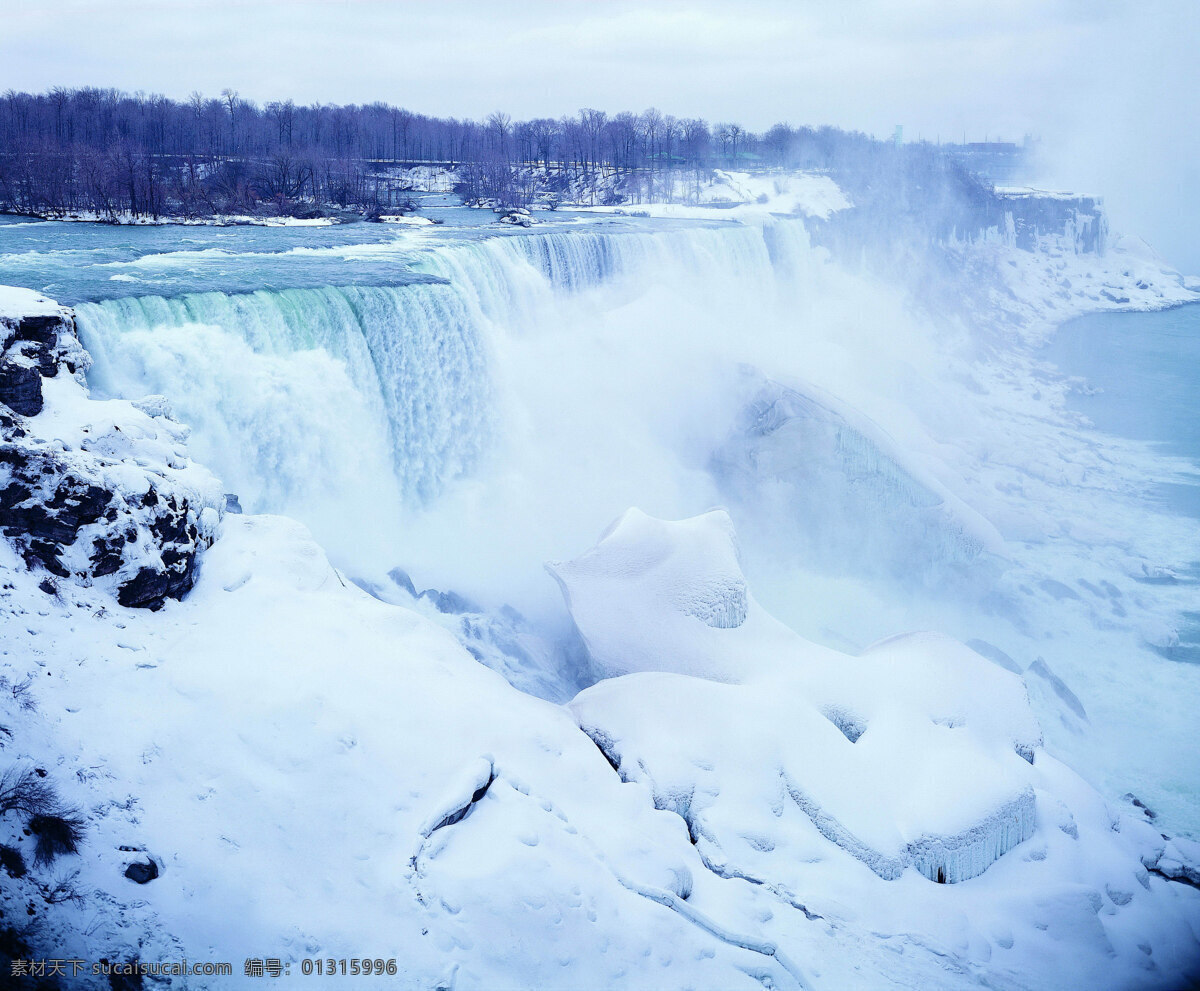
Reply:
x=354, y=966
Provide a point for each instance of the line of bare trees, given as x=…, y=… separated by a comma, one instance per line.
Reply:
x=111, y=152
x=115, y=153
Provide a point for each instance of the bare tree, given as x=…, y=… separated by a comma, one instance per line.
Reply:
x=230, y=97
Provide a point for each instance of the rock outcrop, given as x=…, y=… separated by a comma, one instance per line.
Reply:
x=34, y=346
x=92, y=491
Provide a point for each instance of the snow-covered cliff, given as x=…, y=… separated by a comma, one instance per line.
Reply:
x=90, y=491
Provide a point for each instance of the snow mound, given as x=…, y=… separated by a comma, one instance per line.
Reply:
x=411, y=220
x=916, y=753
x=649, y=584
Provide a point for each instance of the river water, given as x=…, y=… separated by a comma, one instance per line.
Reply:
x=1139, y=377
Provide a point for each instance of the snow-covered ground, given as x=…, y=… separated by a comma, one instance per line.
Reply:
x=17, y=303
x=318, y=774
x=316, y=771
x=744, y=196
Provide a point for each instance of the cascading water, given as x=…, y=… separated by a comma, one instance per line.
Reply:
x=540, y=385
x=397, y=375
x=415, y=356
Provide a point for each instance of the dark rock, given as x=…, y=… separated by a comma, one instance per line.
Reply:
x=47, y=585
x=21, y=388
x=74, y=503
x=10, y=425
x=460, y=814
x=1137, y=803
x=44, y=553
x=32, y=349
x=48, y=495
x=12, y=861
x=231, y=503
x=13, y=494
x=142, y=873
x=106, y=555
x=41, y=330
x=43, y=528
x=150, y=588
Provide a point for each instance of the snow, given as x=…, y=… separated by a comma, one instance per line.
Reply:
x=744, y=197
x=317, y=770
x=311, y=806
x=1039, y=290
x=660, y=577
x=931, y=711
x=410, y=219
x=16, y=303
x=947, y=778
x=296, y=807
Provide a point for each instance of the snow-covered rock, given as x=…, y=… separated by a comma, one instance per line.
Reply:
x=907, y=722
x=636, y=596
x=36, y=339
x=93, y=491
x=834, y=487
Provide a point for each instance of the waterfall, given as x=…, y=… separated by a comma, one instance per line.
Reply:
x=412, y=356
x=298, y=397
x=415, y=354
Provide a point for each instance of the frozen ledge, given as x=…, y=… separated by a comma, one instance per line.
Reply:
x=960, y=857
x=946, y=859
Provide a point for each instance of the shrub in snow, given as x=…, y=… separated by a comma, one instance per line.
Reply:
x=58, y=830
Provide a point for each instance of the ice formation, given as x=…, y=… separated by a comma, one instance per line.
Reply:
x=935, y=774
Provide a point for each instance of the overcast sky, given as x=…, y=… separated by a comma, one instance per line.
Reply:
x=1110, y=85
